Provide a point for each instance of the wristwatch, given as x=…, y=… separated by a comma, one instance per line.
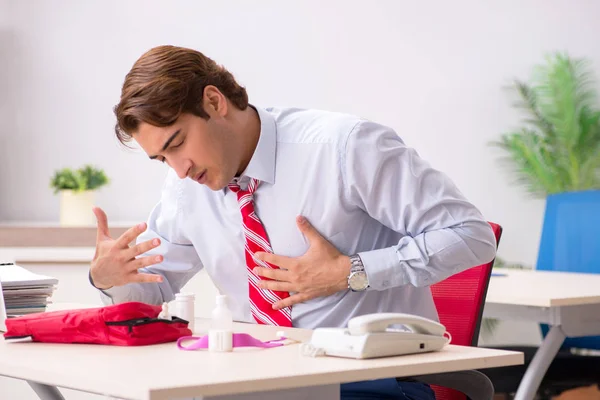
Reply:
x=357, y=280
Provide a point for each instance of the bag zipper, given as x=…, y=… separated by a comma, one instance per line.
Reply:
x=130, y=323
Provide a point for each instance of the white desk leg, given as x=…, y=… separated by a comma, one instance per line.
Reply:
x=539, y=364
x=46, y=392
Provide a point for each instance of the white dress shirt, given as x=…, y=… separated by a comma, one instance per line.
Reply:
x=357, y=183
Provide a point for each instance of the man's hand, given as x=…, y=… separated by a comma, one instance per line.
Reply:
x=321, y=271
x=115, y=263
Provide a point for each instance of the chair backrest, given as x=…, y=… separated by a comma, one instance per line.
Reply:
x=459, y=300
x=569, y=242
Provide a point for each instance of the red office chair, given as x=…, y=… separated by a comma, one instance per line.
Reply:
x=459, y=300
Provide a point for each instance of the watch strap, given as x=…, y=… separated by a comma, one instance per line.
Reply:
x=356, y=264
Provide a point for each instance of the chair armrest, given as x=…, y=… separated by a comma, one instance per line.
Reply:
x=474, y=384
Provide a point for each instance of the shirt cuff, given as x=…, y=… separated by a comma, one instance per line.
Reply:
x=382, y=268
x=112, y=295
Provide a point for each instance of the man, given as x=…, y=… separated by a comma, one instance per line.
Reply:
x=303, y=218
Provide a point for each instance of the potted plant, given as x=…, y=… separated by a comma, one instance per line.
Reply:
x=555, y=154
x=76, y=189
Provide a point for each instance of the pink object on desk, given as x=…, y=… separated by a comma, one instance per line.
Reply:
x=239, y=340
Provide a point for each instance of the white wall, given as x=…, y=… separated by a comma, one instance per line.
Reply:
x=432, y=70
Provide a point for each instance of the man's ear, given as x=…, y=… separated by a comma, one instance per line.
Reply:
x=215, y=102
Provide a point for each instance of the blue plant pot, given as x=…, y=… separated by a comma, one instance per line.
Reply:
x=570, y=242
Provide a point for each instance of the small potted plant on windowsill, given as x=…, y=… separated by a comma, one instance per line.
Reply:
x=77, y=189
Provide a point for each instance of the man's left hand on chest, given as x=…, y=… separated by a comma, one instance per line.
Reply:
x=321, y=271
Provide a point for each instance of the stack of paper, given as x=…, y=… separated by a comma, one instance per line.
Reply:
x=25, y=292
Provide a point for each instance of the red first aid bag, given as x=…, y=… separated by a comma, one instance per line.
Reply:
x=125, y=324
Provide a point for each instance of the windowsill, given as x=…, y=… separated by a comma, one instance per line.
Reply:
x=55, y=224
x=16, y=234
x=50, y=255
x=47, y=242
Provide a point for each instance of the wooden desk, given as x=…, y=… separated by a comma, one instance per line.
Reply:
x=568, y=302
x=164, y=372
x=47, y=243
x=53, y=235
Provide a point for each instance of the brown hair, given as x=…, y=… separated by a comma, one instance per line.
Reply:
x=167, y=81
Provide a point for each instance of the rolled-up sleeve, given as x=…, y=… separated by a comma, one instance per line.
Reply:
x=442, y=232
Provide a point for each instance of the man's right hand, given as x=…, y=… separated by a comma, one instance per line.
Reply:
x=115, y=262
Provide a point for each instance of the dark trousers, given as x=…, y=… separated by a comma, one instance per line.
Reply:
x=386, y=389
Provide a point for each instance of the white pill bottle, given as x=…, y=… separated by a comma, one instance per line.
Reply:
x=220, y=333
x=184, y=308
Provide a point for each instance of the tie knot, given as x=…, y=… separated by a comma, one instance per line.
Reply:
x=234, y=186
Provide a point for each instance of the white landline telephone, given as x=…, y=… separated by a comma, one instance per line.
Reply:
x=370, y=336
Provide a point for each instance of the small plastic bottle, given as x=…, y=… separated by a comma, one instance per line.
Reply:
x=184, y=308
x=220, y=334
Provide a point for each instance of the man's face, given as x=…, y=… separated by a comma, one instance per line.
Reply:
x=194, y=147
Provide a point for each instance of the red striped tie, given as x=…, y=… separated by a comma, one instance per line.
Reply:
x=261, y=300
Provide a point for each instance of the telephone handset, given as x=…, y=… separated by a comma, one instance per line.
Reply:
x=374, y=335
x=381, y=321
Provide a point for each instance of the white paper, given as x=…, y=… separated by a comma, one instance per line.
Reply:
x=15, y=276
x=24, y=291
x=2, y=311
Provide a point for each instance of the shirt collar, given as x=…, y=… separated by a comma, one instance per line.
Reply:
x=262, y=163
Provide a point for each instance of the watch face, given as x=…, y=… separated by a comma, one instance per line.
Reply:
x=358, y=281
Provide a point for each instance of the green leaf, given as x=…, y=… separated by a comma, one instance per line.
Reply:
x=85, y=178
x=65, y=179
x=556, y=149
x=93, y=178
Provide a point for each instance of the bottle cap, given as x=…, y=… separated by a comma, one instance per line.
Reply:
x=185, y=295
x=221, y=300
x=219, y=340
